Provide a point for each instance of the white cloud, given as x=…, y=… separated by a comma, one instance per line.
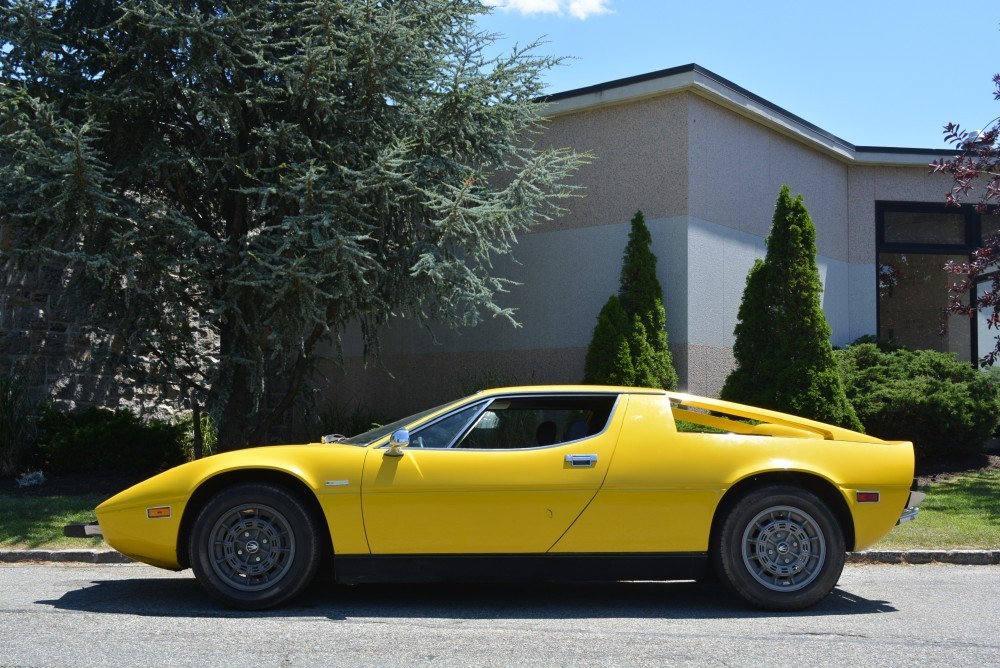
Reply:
x=580, y=9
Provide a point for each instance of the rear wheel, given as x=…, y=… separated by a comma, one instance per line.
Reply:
x=780, y=548
x=254, y=546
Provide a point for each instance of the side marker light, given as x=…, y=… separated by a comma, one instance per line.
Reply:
x=158, y=513
x=868, y=497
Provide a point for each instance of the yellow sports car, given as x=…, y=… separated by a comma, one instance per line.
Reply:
x=530, y=483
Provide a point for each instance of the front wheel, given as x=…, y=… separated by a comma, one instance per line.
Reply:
x=780, y=548
x=254, y=546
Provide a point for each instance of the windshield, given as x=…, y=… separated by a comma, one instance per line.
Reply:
x=375, y=434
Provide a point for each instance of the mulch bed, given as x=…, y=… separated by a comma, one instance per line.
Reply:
x=946, y=469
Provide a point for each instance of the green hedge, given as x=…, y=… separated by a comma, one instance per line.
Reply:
x=14, y=426
x=98, y=439
x=944, y=406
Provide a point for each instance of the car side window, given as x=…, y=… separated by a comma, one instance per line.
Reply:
x=537, y=421
x=442, y=433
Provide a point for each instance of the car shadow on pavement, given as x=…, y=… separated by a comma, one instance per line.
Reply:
x=183, y=597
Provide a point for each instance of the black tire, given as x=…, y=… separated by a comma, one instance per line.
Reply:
x=780, y=548
x=254, y=546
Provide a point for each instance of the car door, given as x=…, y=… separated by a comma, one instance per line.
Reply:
x=502, y=475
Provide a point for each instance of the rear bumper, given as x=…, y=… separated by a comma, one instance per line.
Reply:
x=90, y=530
x=912, y=507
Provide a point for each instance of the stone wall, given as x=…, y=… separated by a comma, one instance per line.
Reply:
x=43, y=341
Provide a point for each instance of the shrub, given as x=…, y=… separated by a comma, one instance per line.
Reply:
x=609, y=359
x=348, y=421
x=98, y=439
x=629, y=343
x=209, y=435
x=941, y=404
x=13, y=423
x=784, y=360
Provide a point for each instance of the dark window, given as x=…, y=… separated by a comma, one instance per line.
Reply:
x=518, y=422
x=529, y=422
x=990, y=226
x=924, y=228
x=914, y=241
x=442, y=432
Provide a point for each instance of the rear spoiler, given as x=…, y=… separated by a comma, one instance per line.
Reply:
x=777, y=424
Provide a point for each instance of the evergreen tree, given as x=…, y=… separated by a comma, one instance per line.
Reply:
x=639, y=288
x=609, y=359
x=637, y=317
x=783, y=353
x=230, y=184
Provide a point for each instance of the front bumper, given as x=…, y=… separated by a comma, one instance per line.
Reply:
x=912, y=507
x=90, y=530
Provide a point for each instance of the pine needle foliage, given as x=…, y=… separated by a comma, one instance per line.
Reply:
x=609, y=360
x=629, y=343
x=783, y=354
x=230, y=184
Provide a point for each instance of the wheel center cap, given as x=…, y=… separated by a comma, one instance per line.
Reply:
x=252, y=546
x=782, y=548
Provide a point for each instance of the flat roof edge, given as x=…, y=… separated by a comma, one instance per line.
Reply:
x=710, y=85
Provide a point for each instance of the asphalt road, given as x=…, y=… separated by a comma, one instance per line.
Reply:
x=128, y=614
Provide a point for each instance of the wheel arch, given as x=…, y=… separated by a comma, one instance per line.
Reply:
x=821, y=487
x=210, y=487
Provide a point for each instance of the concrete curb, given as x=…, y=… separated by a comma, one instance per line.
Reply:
x=64, y=556
x=913, y=557
x=963, y=557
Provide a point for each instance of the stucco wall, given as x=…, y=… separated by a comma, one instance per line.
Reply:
x=737, y=167
x=640, y=161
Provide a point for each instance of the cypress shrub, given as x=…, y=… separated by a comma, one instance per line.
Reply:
x=783, y=354
x=609, y=360
x=629, y=343
x=946, y=407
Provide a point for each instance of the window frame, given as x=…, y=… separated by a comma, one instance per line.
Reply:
x=486, y=402
x=973, y=239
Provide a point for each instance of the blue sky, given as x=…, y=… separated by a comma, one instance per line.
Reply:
x=877, y=73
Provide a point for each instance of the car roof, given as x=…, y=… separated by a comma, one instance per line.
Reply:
x=570, y=389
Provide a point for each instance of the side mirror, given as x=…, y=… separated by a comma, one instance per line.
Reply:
x=399, y=439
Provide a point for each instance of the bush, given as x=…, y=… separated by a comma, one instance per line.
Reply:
x=13, y=423
x=609, y=358
x=944, y=406
x=629, y=343
x=348, y=420
x=98, y=439
x=209, y=435
x=784, y=360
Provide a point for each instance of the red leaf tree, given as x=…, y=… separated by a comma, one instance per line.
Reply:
x=977, y=165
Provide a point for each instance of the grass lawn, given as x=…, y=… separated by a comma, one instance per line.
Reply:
x=963, y=512
x=35, y=521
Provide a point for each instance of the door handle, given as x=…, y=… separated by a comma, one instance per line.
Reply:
x=581, y=461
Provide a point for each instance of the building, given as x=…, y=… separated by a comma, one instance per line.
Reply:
x=704, y=160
